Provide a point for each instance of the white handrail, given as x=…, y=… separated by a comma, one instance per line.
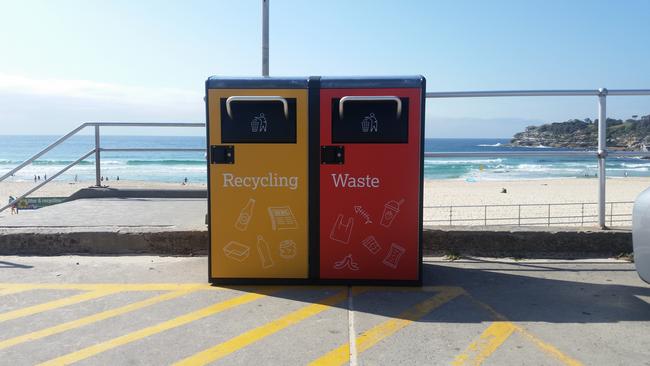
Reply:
x=95, y=151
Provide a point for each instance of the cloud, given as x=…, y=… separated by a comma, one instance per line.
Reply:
x=53, y=106
x=89, y=89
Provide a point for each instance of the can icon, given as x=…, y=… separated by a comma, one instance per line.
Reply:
x=391, y=209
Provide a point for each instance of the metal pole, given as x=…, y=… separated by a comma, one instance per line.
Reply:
x=450, y=215
x=265, y=37
x=98, y=171
x=485, y=215
x=602, y=154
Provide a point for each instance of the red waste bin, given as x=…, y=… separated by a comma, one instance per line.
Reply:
x=371, y=141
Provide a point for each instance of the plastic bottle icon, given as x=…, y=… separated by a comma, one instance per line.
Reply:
x=245, y=216
x=264, y=252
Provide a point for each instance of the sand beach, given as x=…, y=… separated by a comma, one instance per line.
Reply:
x=439, y=194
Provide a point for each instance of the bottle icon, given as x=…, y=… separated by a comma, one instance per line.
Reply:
x=245, y=215
x=264, y=252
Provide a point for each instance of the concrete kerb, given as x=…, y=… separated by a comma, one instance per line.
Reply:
x=52, y=242
x=527, y=242
x=471, y=241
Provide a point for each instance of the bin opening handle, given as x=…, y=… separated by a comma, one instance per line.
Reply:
x=257, y=98
x=370, y=99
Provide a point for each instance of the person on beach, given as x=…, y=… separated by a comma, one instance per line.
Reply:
x=14, y=206
x=45, y=177
x=118, y=178
x=34, y=179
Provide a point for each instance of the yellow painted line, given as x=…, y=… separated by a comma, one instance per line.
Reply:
x=105, y=286
x=549, y=349
x=234, y=344
x=9, y=291
x=91, y=319
x=409, y=289
x=19, y=313
x=155, y=329
x=488, y=342
x=369, y=338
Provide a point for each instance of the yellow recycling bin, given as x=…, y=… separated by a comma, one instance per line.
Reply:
x=257, y=132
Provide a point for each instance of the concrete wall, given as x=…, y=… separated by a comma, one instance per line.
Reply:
x=471, y=241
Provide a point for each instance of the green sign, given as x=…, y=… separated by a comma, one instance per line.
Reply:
x=38, y=202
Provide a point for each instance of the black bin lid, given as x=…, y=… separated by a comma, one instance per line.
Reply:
x=334, y=82
x=256, y=82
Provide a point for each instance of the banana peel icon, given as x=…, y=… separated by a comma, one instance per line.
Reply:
x=347, y=262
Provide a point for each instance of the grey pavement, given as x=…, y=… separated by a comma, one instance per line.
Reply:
x=146, y=310
x=112, y=213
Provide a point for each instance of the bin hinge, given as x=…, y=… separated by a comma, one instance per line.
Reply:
x=222, y=154
x=332, y=154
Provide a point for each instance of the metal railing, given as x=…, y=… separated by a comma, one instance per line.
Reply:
x=601, y=154
x=528, y=214
x=96, y=151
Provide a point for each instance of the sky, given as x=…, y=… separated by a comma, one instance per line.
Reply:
x=66, y=62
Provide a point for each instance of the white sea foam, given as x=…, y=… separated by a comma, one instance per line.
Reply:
x=490, y=145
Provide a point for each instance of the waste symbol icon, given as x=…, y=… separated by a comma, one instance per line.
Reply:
x=369, y=123
x=259, y=123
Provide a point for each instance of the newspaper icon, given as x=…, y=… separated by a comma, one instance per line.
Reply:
x=282, y=218
x=236, y=251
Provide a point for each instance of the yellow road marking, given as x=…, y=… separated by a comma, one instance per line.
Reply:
x=160, y=327
x=9, y=291
x=223, y=349
x=91, y=319
x=19, y=313
x=485, y=345
x=549, y=349
x=369, y=338
x=105, y=286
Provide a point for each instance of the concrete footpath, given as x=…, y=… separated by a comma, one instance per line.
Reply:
x=146, y=310
x=176, y=226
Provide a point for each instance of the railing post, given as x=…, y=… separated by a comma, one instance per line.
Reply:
x=611, y=214
x=549, y=215
x=602, y=154
x=450, y=215
x=265, y=37
x=519, y=215
x=485, y=215
x=98, y=172
x=582, y=215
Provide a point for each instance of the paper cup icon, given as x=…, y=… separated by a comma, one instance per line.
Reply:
x=391, y=209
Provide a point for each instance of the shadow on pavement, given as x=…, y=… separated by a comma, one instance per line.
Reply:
x=518, y=297
x=4, y=264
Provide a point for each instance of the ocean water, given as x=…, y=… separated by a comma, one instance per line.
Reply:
x=176, y=166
